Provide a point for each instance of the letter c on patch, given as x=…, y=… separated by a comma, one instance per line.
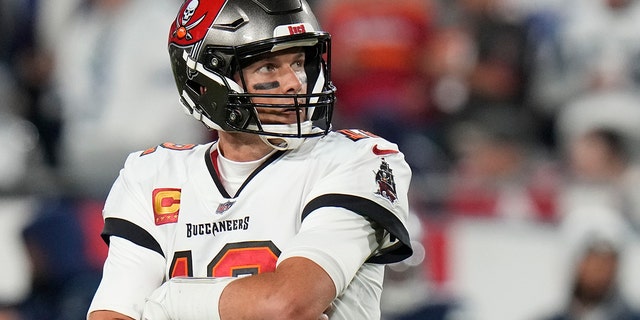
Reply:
x=166, y=205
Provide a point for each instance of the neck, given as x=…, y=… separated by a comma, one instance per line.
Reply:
x=241, y=147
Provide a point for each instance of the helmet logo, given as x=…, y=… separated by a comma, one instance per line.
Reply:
x=182, y=30
x=189, y=11
x=193, y=21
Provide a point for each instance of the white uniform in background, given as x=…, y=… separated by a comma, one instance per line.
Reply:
x=116, y=90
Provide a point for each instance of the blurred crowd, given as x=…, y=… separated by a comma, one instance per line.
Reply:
x=520, y=120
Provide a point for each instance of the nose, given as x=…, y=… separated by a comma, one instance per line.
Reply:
x=293, y=80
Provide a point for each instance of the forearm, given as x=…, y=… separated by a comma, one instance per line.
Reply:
x=298, y=289
x=107, y=315
x=287, y=293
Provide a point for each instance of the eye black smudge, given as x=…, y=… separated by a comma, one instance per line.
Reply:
x=266, y=85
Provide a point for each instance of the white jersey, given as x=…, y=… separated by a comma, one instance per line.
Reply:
x=170, y=204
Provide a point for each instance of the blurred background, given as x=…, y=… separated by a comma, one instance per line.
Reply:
x=520, y=119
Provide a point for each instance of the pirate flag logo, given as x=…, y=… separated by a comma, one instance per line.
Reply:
x=386, y=183
x=193, y=21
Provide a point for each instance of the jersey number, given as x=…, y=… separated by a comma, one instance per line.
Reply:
x=233, y=260
x=356, y=135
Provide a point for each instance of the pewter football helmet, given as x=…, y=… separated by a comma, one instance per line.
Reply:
x=211, y=40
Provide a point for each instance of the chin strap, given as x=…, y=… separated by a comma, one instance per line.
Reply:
x=286, y=143
x=282, y=144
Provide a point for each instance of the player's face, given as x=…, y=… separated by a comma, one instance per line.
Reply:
x=279, y=73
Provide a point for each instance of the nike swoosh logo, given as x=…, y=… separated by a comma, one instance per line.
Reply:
x=382, y=152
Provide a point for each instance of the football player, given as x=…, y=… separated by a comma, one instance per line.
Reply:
x=280, y=217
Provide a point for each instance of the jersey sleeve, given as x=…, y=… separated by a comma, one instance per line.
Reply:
x=128, y=211
x=339, y=261
x=135, y=264
x=129, y=276
x=369, y=176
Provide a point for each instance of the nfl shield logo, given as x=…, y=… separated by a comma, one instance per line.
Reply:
x=223, y=207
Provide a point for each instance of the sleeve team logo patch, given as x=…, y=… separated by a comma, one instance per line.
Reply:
x=386, y=183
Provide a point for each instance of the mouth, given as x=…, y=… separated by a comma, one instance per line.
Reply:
x=280, y=116
x=289, y=111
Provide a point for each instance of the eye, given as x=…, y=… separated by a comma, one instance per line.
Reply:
x=298, y=64
x=266, y=68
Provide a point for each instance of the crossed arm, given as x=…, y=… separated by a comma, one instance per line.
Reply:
x=298, y=289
